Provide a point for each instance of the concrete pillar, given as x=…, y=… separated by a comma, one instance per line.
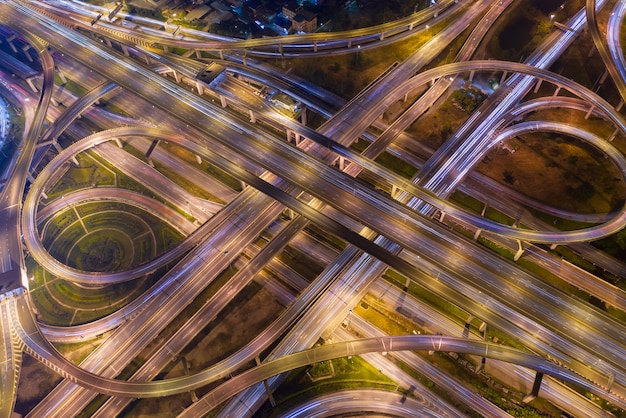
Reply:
x=442, y=216
x=223, y=100
x=538, y=85
x=43, y=194
x=60, y=73
x=382, y=36
x=31, y=179
x=252, y=116
x=75, y=161
x=176, y=76
x=199, y=87
x=57, y=146
x=395, y=191
x=553, y=246
x=481, y=366
x=107, y=41
x=605, y=74
x=535, y=390
x=32, y=85
x=10, y=40
x=471, y=77
x=341, y=161
x=154, y=144
x=589, y=112
x=198, y=53
x=477, y=233
x=556, y=92
x=198, y=159
x=620, y=105
x=147, y=59
x=303, y=115
x=25, y=49
x=592, y=50
x=118, y=142
x=520, y=251
x=466, y=328
x=612, y=137
x=349, y=43
x=125, y=50
x=268, y=390
x=166, y=48
x=504, y=74
x=221, y=54
x=411, y=26
x=243, y=185
x=314, y=46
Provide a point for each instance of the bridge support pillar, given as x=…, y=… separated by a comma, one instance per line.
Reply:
x=198, y=159
x=620, y=105
x=553, y=246
x=395, y=191
x=107, y=41
x=535, y=390
x=612, y=137
x=609, y=385
x=471, y=76
x=589, y=112
x=303, y=119
x=243, y=185
x=118, y=142
x=504, y=74
x=270, y=395
x=520, y=251
x=198, y=53
x=60, y=73
x=349, y=43
x=10, y=40
x=43, y=194
x=221, y=54
x=477, y=233
x=605, y=74
x=125, y=50
x=198, y=86
x=57, y=146
x=223, y=100
x=341, y=162
x=177, y=77
x=75, y=161
x=556, y=92
x=32, y=85
x=289, y=213
x=25, y=49
x=252, y=116
x=538, y=85
x=154, y=144
x=166, y=48
x=442, y=216
x=592, y=50
x=314, y=46
x=467, y=326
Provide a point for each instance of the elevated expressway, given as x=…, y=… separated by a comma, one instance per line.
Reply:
x=298, y=45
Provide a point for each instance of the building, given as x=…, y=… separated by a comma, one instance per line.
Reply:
x=304, y=21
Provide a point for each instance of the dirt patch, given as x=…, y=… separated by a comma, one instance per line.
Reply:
x=36, y=381
x=561, y=172
x=232, y=332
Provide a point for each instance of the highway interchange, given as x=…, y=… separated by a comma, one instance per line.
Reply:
x=382, y=231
